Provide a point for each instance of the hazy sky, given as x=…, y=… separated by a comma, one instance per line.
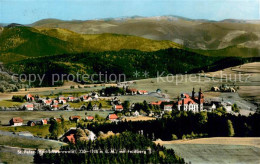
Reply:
x=28, y=11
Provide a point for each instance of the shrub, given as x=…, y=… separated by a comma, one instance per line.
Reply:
x=174, y=137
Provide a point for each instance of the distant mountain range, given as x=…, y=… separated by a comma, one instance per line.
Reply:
x=234, y=38
x=195, y=34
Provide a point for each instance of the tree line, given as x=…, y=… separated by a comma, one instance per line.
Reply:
x=126, y=147
x=183, y=123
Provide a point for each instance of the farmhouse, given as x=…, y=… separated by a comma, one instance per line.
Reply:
x=142, y=92
x=62, y=100
x=112, y=117
x=118, y=108
x=70, y=138
x=28, y=106
x=29, y=97
x=86, y=98
x=47, y=102
x=54, y=107
x=55, y=102
x=31, y=123
x=89, y=118
x=74, y=118
x=44, y=122
x=167, y=108
x=72, y=99
x=227, y=106
x=16, y=121
x=209, y=107
x=57, y=120
x=132, y=91
x=158, y=103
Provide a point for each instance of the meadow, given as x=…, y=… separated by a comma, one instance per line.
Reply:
x=217, y=149
x=23, y=142
x=13, y=158
x=5, y=116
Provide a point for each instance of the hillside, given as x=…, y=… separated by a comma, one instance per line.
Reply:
x=123, y=62
x=195, y=34
x=20, y=42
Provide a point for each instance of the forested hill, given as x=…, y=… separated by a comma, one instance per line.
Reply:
x=124, y=62
x=19, y=42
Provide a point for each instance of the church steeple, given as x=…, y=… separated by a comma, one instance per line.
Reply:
x=193, y=93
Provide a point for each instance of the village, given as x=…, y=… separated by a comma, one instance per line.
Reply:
x=117, y=111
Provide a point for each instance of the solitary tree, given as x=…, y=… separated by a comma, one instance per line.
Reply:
x=89, y=107
x=230, y=128
x=100, y=106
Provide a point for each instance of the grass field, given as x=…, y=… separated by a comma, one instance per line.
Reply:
x=15, y=141
x=13, y=158
x=5, y=116
x=217, y=150
x=105, y=104
x=139, y=118
x=9, y=103
x=203, y=154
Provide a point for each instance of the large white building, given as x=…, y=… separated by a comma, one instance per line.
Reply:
x=194, y=104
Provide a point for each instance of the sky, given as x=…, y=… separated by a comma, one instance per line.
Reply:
x=29, y=11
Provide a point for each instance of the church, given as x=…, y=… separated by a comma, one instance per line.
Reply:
x=192, y=103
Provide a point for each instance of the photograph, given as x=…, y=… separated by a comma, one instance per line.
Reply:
x=129, y=81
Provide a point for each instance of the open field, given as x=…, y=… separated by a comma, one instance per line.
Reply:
x=217, y=150
x=48, y=91
x=139, y=118
x=26, y=142
x=248, y=141
x=13, y=158
x=5, y=116
x=9, y=103
x=105, y=104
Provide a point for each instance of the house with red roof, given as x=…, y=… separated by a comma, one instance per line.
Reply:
x=158, y=103
x=132, y=91
x=89, y=118
x=28, y=106
x=62, y=100
x=29, y=97
x=71, y=99
x=70, y=138
x=16, y=121
x=74, y=118
x=112, y=117
x=44, y=122
x=54, y=107
x=58, y=120
x=86, y=98
x=142, y=92
x=118, y=108
x=55, y=102
x=46, y=102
